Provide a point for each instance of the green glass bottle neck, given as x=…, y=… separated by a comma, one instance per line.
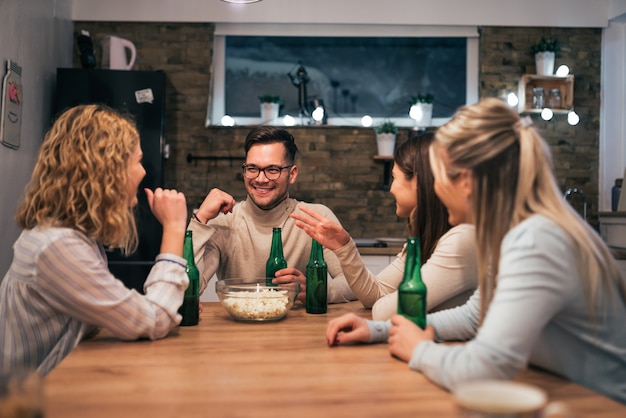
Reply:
x=317, y=254
x=316, y=251
x=277, y=244
x=413, y=259
x=188, y=248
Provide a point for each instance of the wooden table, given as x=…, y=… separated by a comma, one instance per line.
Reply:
x=223, y=368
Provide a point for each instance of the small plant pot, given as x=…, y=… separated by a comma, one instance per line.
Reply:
x=386, y=144
x=544, y=61
x=269, y=112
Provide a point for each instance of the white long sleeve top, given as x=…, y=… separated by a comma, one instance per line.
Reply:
x=450, y=274
x=539, y=315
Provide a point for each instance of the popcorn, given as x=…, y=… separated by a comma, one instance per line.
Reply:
x=263, y=304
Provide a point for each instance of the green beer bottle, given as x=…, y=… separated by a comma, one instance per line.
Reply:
x=316, y=281
x=276, y=260
x=412, y=290
x=190, y=309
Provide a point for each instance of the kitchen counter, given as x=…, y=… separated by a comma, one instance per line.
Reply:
x=379, y=250
x=379, y=246
x=223, y=368
x=613, y=232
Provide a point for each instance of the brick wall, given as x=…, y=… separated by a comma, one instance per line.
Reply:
x=504, y=58
x=336, y=164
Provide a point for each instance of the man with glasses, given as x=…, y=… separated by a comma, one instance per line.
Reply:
x=233, y=239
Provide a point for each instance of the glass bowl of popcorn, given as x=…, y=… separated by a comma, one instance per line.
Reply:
x=251, y=300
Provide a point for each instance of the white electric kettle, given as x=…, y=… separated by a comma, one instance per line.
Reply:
x=118, y=53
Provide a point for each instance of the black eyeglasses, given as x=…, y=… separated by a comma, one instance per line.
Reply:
x=272, y=172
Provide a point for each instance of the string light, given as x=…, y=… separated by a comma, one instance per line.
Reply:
x=562, y=71
x=289, y=120
x=573, y=118
x=227, y=121
x=512, y=99
x=367, y=121
x=546, y=113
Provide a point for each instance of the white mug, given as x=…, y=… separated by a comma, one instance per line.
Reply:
x=118, y=53
x=500, y=399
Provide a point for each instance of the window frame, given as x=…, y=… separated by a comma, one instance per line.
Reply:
x=216, y=100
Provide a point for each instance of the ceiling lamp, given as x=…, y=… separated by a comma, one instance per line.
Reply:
x=241, y=1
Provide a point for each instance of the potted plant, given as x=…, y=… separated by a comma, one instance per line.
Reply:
x=270, y=106
x=421, y=110
x=386, y=137
x=545, y=50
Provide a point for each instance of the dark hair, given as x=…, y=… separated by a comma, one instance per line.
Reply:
x=271, y=135
x=429, y=220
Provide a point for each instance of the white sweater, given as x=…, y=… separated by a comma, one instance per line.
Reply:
x=450, y=274
x=238, y=244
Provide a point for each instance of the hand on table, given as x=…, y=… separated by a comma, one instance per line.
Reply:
x=292, y=275
x=404, y=336
x=328, y=233
x=348, y=328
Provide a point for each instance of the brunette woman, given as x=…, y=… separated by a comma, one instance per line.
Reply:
x=448, y=254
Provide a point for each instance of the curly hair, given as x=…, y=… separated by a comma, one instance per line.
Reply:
x=80, y=179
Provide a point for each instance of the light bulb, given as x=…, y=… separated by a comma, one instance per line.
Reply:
x=416, y=112
x=289, y=120
x=546, y=113
x=573, y=118
x=562, y=71
x=318, y=114
x=227, y=121
x=367, y=121
x=512, y=99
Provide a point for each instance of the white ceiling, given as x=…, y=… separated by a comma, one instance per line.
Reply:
x=554, y=13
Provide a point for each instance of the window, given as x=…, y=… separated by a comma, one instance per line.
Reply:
x=354, y=71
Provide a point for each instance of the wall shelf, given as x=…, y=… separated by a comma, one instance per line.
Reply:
x=530, y=81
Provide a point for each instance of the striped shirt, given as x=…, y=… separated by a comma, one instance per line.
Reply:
x=59, y=290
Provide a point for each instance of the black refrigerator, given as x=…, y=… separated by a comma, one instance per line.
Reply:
x=142, y=94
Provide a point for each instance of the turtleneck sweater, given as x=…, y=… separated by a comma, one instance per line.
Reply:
x=237, y=244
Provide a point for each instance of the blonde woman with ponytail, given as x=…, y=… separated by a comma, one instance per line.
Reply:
x=550, y=294
x=79, y=201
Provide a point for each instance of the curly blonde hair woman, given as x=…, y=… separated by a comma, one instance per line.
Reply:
x=79, y=201
x=91, y=146
x=550, y=293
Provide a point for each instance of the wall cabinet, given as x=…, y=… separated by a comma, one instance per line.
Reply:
x=528, y=82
